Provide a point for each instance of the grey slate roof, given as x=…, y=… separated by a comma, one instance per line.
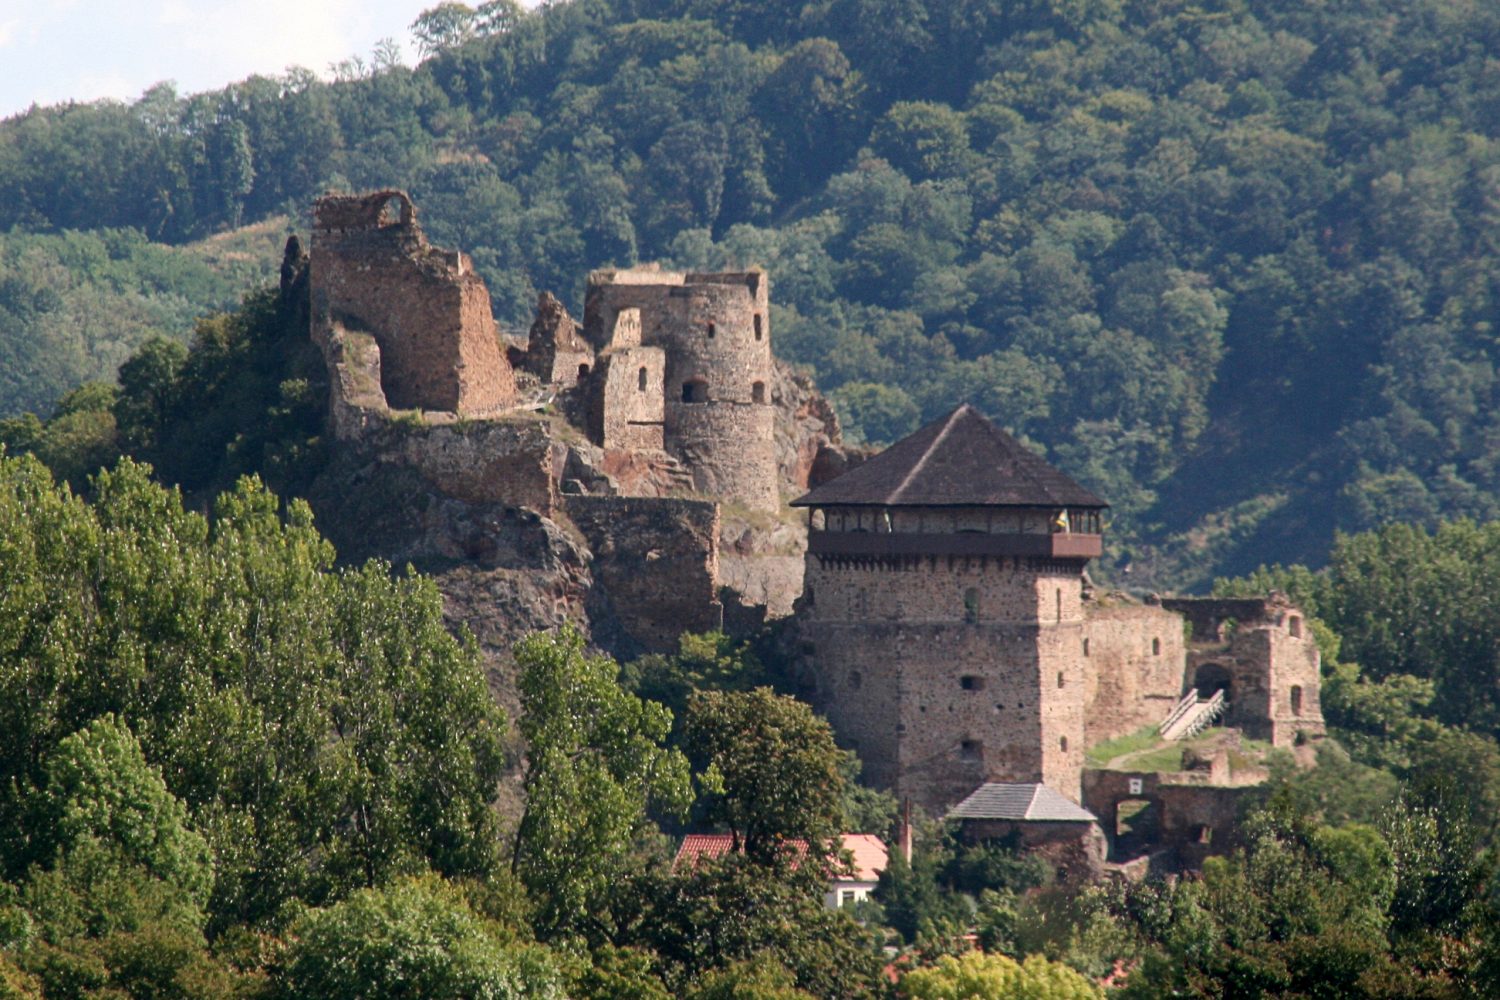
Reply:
x=1031, y=801
x=962, y=460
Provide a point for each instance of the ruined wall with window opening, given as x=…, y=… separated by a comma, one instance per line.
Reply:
x=372, y=270
x=714, y=330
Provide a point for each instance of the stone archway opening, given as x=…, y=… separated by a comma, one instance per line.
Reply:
x=393, y=211
x=1211, y=678
x=1137, y=823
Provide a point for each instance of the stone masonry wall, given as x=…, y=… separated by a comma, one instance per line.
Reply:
x=948, y=673
x=627, y=330
x=1296, y=708
x=625, y=402
x=426, y=308
x=511, y=462
x=715, y=331
x=657, y=562
x=556, y=352
x=610, y=293
x=730, y=450
x=356, y=403
x=1193, y=819
x=1132, y=664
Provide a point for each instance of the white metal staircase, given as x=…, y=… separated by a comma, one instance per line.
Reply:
x=1192, y=715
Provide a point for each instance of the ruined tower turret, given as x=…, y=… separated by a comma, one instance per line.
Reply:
x=942, y=611
x=373, y=271
x=714, y=330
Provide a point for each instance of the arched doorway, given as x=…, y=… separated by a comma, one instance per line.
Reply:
x=395, y=210
x=1210, y=678
x=1137, y=825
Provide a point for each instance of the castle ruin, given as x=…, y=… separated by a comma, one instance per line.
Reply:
x=950, y=634
x=715, y=334
x=667, y=391
x=946, y=625
x=372, y=270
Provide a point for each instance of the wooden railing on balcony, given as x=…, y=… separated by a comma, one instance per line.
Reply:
x=1061, y=545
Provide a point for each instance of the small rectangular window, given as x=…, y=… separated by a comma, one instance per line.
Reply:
x=970, y=682
x=970, y=750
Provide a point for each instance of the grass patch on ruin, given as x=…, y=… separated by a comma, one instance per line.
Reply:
x=1167, y=758
x=1100, y=754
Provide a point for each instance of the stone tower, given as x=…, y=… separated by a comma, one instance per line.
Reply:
x=942, y=612
x=373, y=271
x=716, y=335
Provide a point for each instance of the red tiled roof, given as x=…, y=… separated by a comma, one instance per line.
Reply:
x=870, y=855
x=869, y=851
x=702, y=845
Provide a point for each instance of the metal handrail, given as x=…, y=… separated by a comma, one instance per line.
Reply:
x=1184, y=703
x=1205, y=712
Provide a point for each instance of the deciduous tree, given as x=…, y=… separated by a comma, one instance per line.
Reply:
x=596, y=762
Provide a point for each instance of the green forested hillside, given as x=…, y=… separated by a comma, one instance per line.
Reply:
x=76, y=304
x=1230, y=263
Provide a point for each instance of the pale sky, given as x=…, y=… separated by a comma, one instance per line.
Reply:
x=57, y=50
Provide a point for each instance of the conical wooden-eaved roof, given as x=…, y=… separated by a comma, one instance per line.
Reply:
x=961, y=460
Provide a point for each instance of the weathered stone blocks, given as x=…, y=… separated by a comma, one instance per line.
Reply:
x=373, y=270
x=657, y=560
x=718, y=374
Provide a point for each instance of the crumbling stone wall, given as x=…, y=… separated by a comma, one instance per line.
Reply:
x=1076, y=851
x=372, y=270
x=356, y=403
x=657, y=563
x=625, y=406
x=946, y=672
x=1264, y=656
x=627, y=392
x=715, y=331
x=1132, y=662
x=1195, y=817
x=556, y=352
x=627, y=330
x=512, y=462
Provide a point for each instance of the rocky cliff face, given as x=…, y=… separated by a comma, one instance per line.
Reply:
x=484, y=508
x=503, y=571
x=512, y=500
